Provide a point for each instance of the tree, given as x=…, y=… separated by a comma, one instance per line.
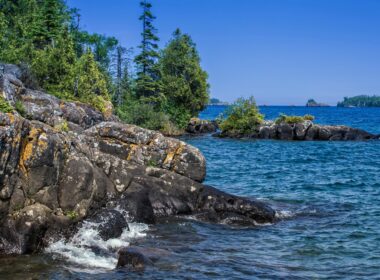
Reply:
x=243, y=117
x=50, y=22
x=89, y=80
x=184, y=82
x=53, y=67
x=147, y=85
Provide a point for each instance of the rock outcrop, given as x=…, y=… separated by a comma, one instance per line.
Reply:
x=304, y=131
x=313, y=103
x=52, y=177
x=198, y=126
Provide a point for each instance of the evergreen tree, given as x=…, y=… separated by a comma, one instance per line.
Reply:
x=90, y=85
x=117, y=98
x=53, y=67
x=51, y=22
x=147, y=85
x=184, y=81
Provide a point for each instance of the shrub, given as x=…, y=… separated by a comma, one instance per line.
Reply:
x=309, y=118
x=72, y=215
x=5, y=107
x=242, y=117
x=20, y=108
x=63, y=127
x=146, y=116
x=293, y=119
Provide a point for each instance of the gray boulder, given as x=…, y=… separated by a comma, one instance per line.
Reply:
x=198, y=126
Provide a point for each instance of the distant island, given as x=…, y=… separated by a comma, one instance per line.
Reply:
x=360, y=101
x=216, y=101
x=313, y=103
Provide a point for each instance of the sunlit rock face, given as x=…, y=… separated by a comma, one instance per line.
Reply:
x=61, y=162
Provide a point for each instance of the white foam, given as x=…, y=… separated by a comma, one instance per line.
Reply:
x=78, y=249
x=284, y=214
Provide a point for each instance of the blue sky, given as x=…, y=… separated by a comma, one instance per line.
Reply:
x=283, y=52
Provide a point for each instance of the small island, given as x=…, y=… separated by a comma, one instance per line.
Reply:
x=360, y=101
x=244, y=120
x=217, y=102
x=313, y=103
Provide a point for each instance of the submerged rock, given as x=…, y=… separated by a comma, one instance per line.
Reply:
x=133, y=257
x=51, y=178
x=139, y=257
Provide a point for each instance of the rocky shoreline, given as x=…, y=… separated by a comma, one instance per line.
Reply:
x=62, y=163
x=303, y=131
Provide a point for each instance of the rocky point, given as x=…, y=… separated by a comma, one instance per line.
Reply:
x=65, y=163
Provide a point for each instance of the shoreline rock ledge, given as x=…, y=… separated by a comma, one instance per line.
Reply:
x=64, y=162
x=303, y=131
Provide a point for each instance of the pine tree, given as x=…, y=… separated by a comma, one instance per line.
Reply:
x=147, y=70
x=54, y=66
x=90, y=85
x=184, y=81
x=50, y=20
x=117, y=98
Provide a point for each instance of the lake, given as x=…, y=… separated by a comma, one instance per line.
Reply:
x=326, y=194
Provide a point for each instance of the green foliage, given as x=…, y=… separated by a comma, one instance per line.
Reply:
x=360, y=101
x=72, y=215
x=308, y=117
x=146, y=61
x=40, y=34
x=19, y=107
x=53, y=67
x=243, y=117
x=179, y=113
x=152, y=163
x=90, y=85
x=167, y=89
x=144, y=115
x=63, y=127
x=293, y=119
x=184, y=82
x=5, y=107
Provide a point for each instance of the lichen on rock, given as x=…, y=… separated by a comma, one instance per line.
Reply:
x=51, y=179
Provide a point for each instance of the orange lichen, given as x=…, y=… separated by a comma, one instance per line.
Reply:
x=133, y=147
x=11, y=118
x=35, y=140
x=171, y=154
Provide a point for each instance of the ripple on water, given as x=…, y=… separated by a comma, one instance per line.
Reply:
x=327, y=201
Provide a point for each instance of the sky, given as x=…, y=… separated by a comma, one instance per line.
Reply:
x=282, y=52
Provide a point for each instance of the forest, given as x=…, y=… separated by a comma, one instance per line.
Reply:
x=159, y=89
x=360, y=101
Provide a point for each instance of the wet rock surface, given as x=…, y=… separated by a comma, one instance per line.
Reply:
x=133, y=258
x=110, y=223
x=53, y=179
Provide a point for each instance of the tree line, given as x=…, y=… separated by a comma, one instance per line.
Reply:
x=159, y=89
x=360, y=101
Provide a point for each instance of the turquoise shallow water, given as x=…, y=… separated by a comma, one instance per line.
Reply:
x=327, y=196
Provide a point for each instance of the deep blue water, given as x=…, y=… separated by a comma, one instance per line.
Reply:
x=364, y=118
x=327, y=195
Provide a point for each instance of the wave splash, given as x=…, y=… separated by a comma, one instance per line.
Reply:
x=87, y=249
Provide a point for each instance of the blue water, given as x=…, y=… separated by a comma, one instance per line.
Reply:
x=364, y=118
x=328, y=193
x=327, y=196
